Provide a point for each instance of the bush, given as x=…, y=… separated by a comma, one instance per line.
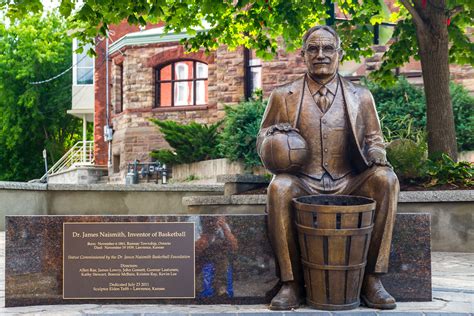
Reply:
x=239, y=136
x=192, y=142
x=444, y=170
x=404, y=101
x=463, y=106
x=408, y=159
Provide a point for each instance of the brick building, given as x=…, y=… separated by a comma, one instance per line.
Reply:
x=151, y=76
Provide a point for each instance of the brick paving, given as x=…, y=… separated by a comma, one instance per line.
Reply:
x=453, y=294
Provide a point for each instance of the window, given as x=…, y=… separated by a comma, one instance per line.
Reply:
x=83, y=70
x=181, y=83
x=253, y=73
x=116, y=163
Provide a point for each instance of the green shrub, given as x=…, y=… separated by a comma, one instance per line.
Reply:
x=446, y=171
x=402, y=128
x=404, y=101
x=192, y=142
x=408, y=159
x=239, y=135
x=463, y=106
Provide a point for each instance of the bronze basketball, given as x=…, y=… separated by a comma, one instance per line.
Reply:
x=284, y=152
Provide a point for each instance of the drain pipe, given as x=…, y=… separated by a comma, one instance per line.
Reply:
x=107, y=128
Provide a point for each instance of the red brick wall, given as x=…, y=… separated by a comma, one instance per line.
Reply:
x=116, y=32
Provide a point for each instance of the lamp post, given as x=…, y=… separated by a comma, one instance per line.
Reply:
x=45, y=164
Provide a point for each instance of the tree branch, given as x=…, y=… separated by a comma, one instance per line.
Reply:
x=416, y=17
x=455, y=11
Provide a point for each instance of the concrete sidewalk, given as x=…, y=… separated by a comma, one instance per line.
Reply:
x=453, y=294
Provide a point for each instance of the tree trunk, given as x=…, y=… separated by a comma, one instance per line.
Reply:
x=433, y=43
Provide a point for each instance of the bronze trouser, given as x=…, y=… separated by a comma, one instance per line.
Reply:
x=378, y=183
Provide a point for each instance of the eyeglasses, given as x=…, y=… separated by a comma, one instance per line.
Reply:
x=327, y=50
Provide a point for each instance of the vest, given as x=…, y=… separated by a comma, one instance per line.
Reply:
x=327, y=137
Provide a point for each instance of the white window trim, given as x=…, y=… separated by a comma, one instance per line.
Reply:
x=257, y=71
x=184, y=67
x=74, y=68
x=201, y=72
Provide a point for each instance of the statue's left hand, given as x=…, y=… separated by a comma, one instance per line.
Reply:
x=379, y=161
x=280, y=127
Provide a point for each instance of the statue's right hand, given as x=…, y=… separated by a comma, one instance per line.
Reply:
x=280, y=127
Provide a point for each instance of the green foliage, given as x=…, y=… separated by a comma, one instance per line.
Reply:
x=463, y=107
x=192, y=142
x=239, y=136
x=408, y=159
x=410, y=163
x=402, y=112
x=258, y=24
x=33, y=117
x=192, y=177
x=446, y=171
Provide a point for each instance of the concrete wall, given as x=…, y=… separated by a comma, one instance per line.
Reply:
x=78, y=175
x=64, y=199
x=452, y=213
x=210, y=169
x=452, y=224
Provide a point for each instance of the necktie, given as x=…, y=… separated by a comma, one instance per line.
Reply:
x=323, y=100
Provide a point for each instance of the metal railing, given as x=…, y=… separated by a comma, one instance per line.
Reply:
x=82, y=153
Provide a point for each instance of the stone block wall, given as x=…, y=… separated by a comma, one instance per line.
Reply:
x=135, y=136
x=100, y=114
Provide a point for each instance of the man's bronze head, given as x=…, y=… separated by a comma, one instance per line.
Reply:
x=322, y=52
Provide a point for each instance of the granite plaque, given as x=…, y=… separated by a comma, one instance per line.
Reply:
x=234, y=260
x=128, y=260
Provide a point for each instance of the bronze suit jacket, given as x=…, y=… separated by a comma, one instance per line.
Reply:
x=365, y=133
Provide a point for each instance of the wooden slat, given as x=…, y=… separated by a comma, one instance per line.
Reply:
x=353, y=277
x=303, y=247
x=357, y=247
x=327, y=221
x=337, y=257
x=349, y=220
x=366, y=219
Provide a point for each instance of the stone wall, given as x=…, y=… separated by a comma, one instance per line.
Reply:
x=100, y=114
x=135, y=136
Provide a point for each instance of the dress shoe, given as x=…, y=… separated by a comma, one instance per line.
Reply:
x=288, y=298
x=374, y=294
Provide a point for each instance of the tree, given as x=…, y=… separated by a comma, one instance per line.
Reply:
x=429, y=30
x=433, y=32
x=33, y=116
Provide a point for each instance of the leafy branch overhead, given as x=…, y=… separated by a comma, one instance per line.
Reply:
x=433, y=31
x=259, y=24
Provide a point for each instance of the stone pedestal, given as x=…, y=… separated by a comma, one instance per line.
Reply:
x=34, y=261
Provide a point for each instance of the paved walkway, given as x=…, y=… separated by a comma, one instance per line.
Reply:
x=453, y=294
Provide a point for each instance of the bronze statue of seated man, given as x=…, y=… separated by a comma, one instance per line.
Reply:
x=344, y=154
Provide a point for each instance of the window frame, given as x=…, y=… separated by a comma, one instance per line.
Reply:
x=194, y=79
x=75, y=63
x=251, y=64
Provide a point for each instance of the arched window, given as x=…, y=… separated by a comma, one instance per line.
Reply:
x=181, y=83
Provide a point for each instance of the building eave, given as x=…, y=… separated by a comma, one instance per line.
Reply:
x=145, y=37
